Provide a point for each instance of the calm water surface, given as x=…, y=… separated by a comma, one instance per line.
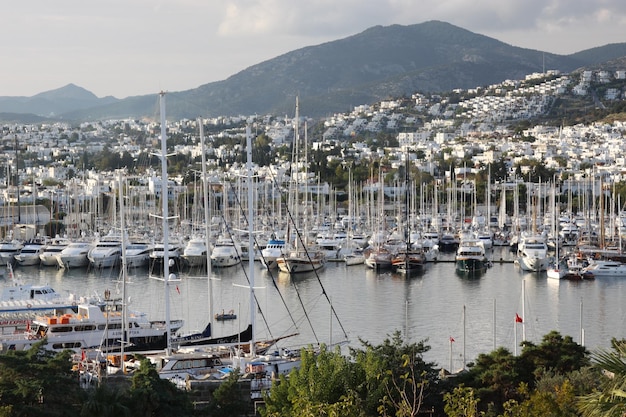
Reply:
x=436, y=305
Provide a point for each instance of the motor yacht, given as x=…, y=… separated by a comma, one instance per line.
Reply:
x=74, y=255
x=29, y=254
x=195, y=252
x=225, y=253
x=49, y=256
x=532, y=253
x=107, y=252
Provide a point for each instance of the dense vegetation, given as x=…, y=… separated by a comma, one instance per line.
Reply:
x=556, y=377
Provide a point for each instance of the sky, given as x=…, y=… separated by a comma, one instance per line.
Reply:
x=126, y=48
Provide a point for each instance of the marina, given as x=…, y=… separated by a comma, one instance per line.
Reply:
x=371, y=305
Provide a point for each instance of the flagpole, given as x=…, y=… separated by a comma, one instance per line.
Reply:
x=523, y=310
x=515, y=340
x=450, y=341
x=464, y=336
x=494, y=324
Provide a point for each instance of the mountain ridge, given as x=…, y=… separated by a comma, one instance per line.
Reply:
x=378, y=63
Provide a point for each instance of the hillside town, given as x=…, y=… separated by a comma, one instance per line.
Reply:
x=476, y=127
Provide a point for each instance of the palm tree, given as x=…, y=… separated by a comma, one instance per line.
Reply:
x=610, y=399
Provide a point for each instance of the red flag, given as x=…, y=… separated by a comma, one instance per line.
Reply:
x=83, y=355
x=518, y=319
x=177, y=289
x=451, y=339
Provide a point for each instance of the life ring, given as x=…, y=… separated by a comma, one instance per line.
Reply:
x=29, y=305
x=74, y=303
x=248, y=369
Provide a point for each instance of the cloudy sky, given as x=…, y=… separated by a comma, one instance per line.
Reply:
x=133, y=47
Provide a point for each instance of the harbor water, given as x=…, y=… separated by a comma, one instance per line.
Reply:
x=459, y=317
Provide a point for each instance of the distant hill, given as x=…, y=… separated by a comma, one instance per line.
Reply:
x=53, y=103
x=379, y=63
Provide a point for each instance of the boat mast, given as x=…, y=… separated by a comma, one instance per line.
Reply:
x=164, y=199
x=207, y=219
x=124, y=272
x=250, y=237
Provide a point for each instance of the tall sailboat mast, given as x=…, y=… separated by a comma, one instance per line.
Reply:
x=251, y=239
x=207, y=219
x=124, y=268
x=164, y=199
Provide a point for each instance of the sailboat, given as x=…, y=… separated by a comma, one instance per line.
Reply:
x=205, y=337
x=301, y=258
x=556, y=270
x=410, y=259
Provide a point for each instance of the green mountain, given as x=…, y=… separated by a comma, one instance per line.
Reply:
x=379, y=63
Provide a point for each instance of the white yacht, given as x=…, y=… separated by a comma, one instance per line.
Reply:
x=605, y=269
x=29, y=254
x=274, y=249
x=8, y=250
x=225, y=253
x=138, y=254
x=174, y=250
x=49, y=255
x=470, y=256
x=107, y=252
x=532, y=253
x=195, y=252
x=91, y=326
x=75, y=255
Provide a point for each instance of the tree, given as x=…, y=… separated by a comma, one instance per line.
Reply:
x=105, y=401
x=228, y=398
x=38, y=382
x=461, y=402
x=610, y=398
x=555, y=353
x=494, y=377
x=397, y=380
x=152, y=396
x=325, y=381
